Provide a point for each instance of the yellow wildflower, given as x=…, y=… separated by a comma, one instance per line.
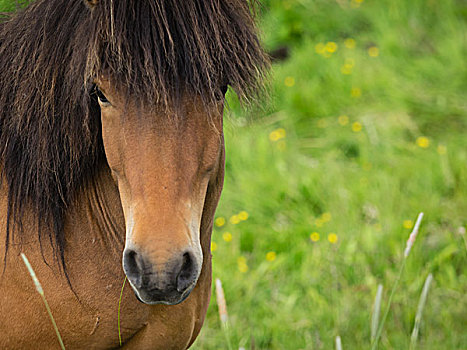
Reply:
x=408, y=224
x=423, y=142
x=355, y=3
x=356, y=92
x=271, y=256
x=346, y=69
x=243, y=268
x=326, y=217
x=343, y=120
x=320, y=48
x=332, y=237
x=274, y=136
x=220, y=221
x=243, y=215
x=213, y=246
x=281, y=132
x=242, y=265
x=331, y=46
x=277, y=134
x=314, y=236
x=373, y=51
x=356, y=126
x=349, y=43
x=234, y=219
x=289, y=81
x=227, y=236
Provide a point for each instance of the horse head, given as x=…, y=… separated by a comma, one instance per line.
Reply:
x=169, y=172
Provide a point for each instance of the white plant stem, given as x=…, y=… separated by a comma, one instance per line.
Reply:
x=421, y=306
x=376, y=312
x=40, y=290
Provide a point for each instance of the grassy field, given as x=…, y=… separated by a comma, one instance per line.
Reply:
x=365, y=128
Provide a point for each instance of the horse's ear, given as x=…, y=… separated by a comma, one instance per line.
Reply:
x=91, y=3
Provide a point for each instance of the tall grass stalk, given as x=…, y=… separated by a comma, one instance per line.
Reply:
x=410, y=242
x=118, y=313
x=223, y=316
x=376, y=312
x=338, y=343
x=40, y=290
x=421, y=306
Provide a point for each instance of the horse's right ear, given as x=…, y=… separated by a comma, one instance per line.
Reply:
x=91, y=3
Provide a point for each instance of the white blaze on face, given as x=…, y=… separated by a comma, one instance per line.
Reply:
x=194, y=231
x=196, y=207
x=130, y=224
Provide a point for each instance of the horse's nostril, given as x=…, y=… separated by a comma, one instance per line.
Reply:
x=131, y=267
x=187, y=274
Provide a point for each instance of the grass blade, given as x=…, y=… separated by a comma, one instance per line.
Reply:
x=421, y=306
x=118, y=313
x=376, y=312
x=40, y=290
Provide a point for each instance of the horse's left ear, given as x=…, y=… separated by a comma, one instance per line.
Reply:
x=91, y=3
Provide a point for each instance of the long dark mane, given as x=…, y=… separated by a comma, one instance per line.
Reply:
x=50, y=54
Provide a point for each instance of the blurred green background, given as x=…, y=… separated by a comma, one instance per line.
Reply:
x=365, y=127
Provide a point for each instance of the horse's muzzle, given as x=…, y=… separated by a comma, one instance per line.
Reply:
x=169, y=284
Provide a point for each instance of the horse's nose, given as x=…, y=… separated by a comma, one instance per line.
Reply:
x=161, y=283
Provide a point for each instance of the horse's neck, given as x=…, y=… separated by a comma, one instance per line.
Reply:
x=95, y=218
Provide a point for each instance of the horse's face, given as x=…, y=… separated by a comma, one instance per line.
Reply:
x=163, y=166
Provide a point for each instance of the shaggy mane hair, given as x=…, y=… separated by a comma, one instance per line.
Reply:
x=52, y=51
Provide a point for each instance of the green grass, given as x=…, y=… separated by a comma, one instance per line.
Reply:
x=370, y=180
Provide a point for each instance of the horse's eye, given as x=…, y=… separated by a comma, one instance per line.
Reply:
x=101, y=97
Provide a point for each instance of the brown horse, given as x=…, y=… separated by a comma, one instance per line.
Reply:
x=111, y=149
